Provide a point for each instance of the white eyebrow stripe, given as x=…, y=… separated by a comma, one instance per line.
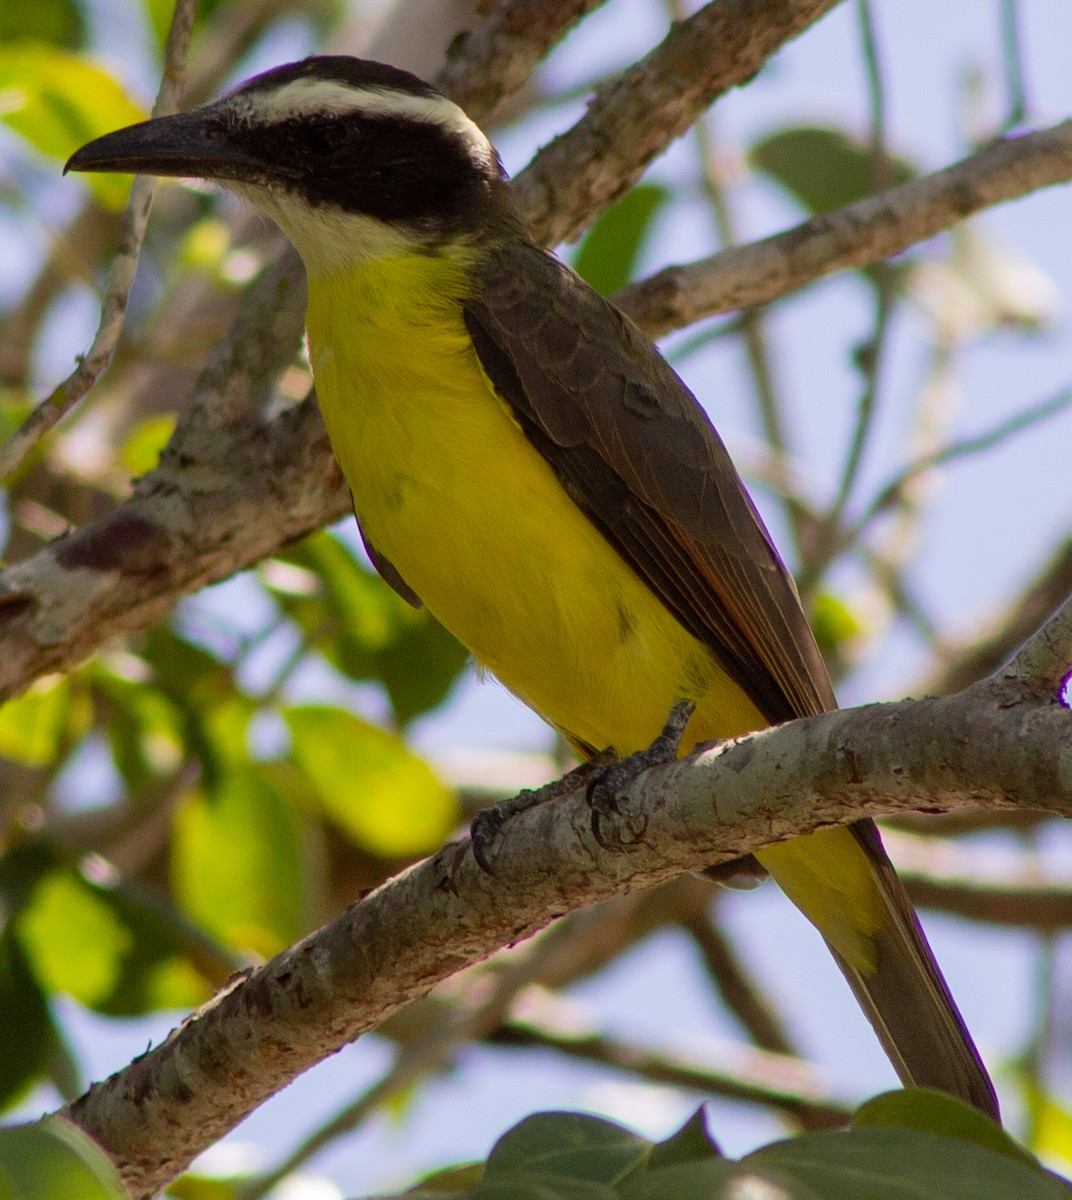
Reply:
x=304, y=97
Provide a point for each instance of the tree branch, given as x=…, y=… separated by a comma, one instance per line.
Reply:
x=855, y=235
x=635, y=116
x=1004, y=742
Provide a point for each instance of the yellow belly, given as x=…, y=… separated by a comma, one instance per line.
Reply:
x=448, y=488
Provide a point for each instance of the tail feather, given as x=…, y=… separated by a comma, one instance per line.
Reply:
x=884, y=955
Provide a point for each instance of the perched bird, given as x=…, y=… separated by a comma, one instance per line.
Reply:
x=524, y=463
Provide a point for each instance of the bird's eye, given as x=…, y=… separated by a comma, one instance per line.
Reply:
x=326, y=137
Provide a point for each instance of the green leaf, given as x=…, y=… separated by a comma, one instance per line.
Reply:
x=540, y=1187
x=157, y=972
x=75, y=940
x=572, y=1146
x=215, y=714
x=202, y=1187
x=363, y=628
x=144, y=727
x=55, y=1159
x=834, y=623
x=451, y=1179
x=141, y=452
x=936, y=1112
x=691, y=1142
x=823, y=168
x=58, y=101
x=237, y=863
x=56, y=21
x=608, y=255
x=712, y=1179
x=35, y=725
x=369, y=782
x=27, y=1035
x=902, y=1164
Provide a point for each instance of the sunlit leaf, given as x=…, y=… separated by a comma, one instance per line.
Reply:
x=34, y=725
x=141, y=451
x=74, y=939
x=237, y=863
x=834, y=623
x=609, y=252
x=203, y=1187
x=932, y=1111
x=58, y=101
x=54, y=1159
x=387, y=798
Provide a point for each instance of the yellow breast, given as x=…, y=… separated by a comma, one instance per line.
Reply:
x=448, y=488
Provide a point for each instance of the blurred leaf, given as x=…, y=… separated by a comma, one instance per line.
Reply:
x=364, y=629
x=834, y=623
x=141, y=451
x=35, y=725
x=58, y=101
x=607, y=256
x=157, y=972
x=216, y=714
x=59, y=22
x=55, y=1160
x=73, y=938
x=27, y=1035
x=419, y=667
x=202, y=1187
x=1049, y=1121
x=386, y=797
x=237, y=863
x=936, y=1112
x=145, y=730
x=567, y=1145
x=823, y=168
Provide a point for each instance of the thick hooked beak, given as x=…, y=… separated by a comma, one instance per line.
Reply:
x=192, y=144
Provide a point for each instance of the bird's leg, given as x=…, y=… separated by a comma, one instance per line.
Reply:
x=487, y=825
x=613, y=778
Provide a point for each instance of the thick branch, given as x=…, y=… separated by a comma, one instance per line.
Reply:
x=164, y=543
x=636, y=115
x=999, y=743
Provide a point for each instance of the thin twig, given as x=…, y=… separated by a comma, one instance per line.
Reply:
x=1012, y=55
x=66, y=395
x=778, y=1081
x=892, y=491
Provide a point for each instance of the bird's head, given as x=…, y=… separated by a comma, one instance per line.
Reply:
x=353, y=159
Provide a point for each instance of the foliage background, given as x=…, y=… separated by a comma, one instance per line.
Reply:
x=186, y=800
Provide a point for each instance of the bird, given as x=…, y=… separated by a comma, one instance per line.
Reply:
x=525, y=464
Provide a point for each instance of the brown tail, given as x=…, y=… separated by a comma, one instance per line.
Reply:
x=895, y=979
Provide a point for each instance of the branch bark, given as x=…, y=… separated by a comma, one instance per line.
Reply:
x=255, y=485
x=1005, y=742
x=855, y=235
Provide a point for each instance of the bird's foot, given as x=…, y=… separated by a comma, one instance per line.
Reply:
x=486, y=827
x=612, y=779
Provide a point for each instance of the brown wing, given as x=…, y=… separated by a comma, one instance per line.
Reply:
x=635, y=450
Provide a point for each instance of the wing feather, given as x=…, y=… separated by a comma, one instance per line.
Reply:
x=637, y=453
